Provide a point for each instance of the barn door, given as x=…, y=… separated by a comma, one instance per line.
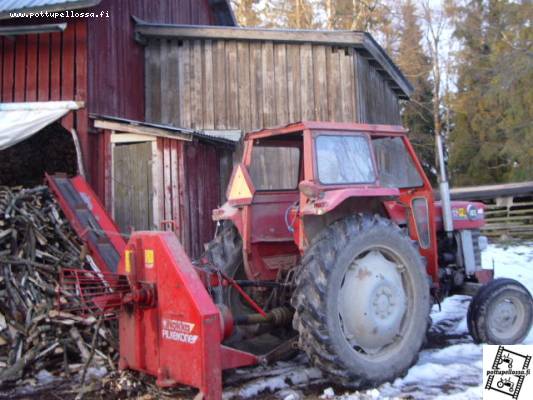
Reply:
x=132, y=186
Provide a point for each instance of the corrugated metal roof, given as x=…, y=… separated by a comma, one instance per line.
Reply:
x=44, y=5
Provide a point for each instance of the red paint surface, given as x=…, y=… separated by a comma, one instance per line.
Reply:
x=179, y=339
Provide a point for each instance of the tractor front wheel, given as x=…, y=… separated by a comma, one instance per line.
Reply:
x=501, y=312
x=362, y=301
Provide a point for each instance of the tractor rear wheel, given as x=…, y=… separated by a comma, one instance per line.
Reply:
x=362, y=301
x=500, y=313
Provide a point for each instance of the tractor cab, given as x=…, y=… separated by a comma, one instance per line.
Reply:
x=295, y=181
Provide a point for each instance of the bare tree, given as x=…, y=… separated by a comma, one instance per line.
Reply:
x=436, y=22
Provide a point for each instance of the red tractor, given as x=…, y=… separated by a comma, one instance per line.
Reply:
x=339, y=220
x=330, y=241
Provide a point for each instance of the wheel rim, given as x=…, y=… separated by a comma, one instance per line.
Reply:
x=374, y=301
x=506, y=317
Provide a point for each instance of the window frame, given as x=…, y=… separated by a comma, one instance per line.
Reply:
x=413, y=161
x=318, y=133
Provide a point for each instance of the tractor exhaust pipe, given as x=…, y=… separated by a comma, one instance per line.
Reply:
x=444, y=189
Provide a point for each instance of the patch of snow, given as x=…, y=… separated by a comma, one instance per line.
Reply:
x=96, y=373
x=329, y=393
x=289, y=394
x=294, y=378
x=44, y=377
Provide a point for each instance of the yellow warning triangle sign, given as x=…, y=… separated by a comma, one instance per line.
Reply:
x=239, y=188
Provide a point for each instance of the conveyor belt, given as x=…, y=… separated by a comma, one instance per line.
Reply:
x=89, y=219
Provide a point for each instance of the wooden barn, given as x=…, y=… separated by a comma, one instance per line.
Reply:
x=158, y=93
x=65, y=64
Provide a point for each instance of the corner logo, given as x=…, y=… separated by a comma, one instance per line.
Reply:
x=506, y=371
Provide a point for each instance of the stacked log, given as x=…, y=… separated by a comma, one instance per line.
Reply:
x=36, y=241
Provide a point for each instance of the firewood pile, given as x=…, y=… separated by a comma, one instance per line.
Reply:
x=36, y=337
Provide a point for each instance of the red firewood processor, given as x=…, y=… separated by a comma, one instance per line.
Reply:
x=343, y=262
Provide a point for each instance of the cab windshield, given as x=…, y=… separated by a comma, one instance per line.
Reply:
x=343, y=159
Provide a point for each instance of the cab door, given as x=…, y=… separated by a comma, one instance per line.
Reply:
x=275, y=168
x=399, y=167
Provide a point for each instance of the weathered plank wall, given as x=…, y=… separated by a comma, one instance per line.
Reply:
x=377, y=103
x=132, y=180
x=167, y=184
x=247, y=85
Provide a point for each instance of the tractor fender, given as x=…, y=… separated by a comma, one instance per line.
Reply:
x=330, y=199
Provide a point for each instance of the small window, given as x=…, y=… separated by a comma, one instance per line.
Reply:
x=395, y=165
x=344, y=159
x=275, y=168
x=421, y=214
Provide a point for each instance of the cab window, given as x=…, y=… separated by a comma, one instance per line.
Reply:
x=275, y=167
x=395, y=165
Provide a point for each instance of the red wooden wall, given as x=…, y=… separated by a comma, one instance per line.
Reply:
x=46, y=67
x=116, y=61
x=95, y=60
x=202, y=169
x=98, y=61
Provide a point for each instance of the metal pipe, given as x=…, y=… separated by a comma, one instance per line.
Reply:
x=444, y=189
x=277, y=316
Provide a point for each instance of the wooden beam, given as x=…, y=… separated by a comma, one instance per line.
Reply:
x=142, y=130
x=118, y=137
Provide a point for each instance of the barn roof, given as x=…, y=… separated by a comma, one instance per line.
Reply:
x=361, y=41
x=221, y=8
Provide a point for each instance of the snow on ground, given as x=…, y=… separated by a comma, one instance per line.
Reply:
x=450, y=365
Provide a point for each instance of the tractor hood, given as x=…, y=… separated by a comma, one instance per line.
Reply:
x=466, y=215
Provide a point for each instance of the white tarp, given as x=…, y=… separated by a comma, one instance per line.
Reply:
x=18, y=121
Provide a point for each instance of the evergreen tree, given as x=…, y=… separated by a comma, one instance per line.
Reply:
x=493, y=125
x=416, y=65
